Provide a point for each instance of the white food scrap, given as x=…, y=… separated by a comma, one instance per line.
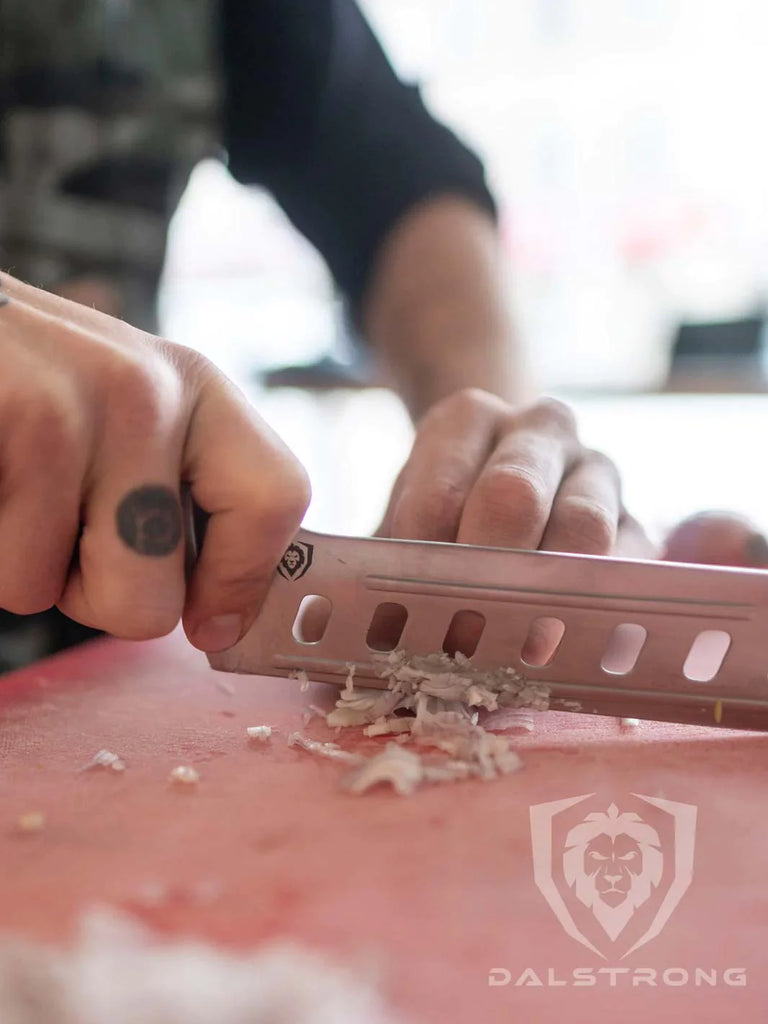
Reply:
x=30, y=822
x=184, y=775
x=433, y=702
x=362, y=706
x=401, y=768
x=330, y=750
x=106, y=759
x=453, y=730
x=349, y=683
x=392, y=726
x=259, y=732
x=457, y=679
x=629, y=724
x=516, y=720
x=302, y=677
x=312, y=711
x=118, y=971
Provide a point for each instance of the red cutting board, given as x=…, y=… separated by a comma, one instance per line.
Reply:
x=438, y=889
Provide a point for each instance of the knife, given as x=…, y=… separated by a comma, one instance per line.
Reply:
x=630, y=638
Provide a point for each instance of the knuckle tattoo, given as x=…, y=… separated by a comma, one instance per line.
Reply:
x=149, y=520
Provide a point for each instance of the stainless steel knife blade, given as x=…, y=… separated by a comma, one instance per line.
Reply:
x=655, y=640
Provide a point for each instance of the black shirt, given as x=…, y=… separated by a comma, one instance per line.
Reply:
x=314, y=111
x=107, y=104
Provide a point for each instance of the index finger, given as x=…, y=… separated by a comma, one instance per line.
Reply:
x=256, y=493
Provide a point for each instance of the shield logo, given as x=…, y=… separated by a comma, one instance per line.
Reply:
x=613, y=870
x=296, y=560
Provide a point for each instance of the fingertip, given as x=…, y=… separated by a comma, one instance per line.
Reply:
x=217, y=633
x=756, y=549
x=717, y=538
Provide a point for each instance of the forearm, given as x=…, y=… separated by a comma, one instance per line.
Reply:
x=436, y=311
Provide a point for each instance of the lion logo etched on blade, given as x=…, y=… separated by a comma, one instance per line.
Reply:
x=296, y=560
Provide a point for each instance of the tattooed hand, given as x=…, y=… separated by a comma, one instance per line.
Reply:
x=99, y=425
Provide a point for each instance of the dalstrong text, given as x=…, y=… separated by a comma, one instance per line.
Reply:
x=614, y=977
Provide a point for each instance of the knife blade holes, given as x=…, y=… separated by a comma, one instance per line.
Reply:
x=706, y=655
x=312, y=619
x=464, y=633
x=624, y=647
x=544, y=637
x=386, y=626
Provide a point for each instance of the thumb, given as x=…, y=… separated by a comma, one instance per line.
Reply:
x=718, y=538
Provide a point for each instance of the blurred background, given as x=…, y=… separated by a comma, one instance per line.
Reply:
x=625, y=142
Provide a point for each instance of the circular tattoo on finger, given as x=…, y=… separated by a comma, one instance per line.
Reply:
x=149, y=520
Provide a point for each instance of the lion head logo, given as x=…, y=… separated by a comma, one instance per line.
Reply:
x=613, y=861
x=296, y=560
x=613, y=870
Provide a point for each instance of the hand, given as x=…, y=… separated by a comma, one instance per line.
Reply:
x=718, y=538
x=99, y=425
x=483, y=472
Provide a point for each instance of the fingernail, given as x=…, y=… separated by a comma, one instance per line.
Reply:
x=757, y=549
x=218, y=632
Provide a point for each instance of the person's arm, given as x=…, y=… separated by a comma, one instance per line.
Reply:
x=314, y=112
x=436, y=309
x=400, y=210
x=394, y=201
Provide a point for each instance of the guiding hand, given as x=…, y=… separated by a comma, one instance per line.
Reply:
x=718, y=538
x=100, y=425
x=483, y=472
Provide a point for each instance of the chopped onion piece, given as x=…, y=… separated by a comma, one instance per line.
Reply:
x=330, y=750
x=185, y=775
x=389, y=726
x=259, y=732
x=401, y=768
x=30, y=822
x=302, y=677
x=441, y=696
x=106, y=759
